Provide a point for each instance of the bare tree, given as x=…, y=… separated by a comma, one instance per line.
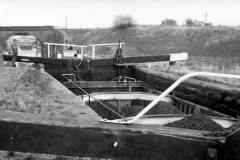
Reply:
x=121, y=22
x=189, y=22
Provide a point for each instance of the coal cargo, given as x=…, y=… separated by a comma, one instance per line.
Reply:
x=197, y=122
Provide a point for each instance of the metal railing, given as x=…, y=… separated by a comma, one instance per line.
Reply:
x=122, y=117
x=82, y=47
x=64, y=45
x=129, y=78
x=105, y=44
x=70, y=75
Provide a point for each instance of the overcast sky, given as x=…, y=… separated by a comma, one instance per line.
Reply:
x=100, y=13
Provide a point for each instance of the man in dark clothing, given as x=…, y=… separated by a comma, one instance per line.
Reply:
x=118, y=54
x=14, y=53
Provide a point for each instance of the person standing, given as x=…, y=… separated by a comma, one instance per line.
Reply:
x=14, y=53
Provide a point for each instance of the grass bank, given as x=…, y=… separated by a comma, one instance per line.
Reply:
x=229, y=65
x=155, y=40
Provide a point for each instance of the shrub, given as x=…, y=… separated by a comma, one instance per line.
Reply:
x=189, y=22
x=196, y=23
x=169, y=22
x=35, y=79
x=121, y=22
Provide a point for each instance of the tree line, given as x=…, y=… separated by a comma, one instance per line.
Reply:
x=126, y=21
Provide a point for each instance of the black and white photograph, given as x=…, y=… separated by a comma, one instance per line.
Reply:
x=119, y=79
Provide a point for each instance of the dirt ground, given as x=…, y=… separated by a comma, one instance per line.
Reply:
x=26, y=89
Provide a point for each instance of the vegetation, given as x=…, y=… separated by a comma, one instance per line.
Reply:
x=214, y=49
x=25, y=89
x=154, y=40
x=35, y=79
x=195, y=23
x=189, y=22
x=207, y=64
x=121, y=22
x=169, y=22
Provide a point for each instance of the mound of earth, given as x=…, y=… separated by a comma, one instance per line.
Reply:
x=198, y=122
x=28, y=90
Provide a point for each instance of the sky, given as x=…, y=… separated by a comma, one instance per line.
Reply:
x=100, y=13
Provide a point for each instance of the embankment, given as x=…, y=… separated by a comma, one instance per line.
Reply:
x=154, y=40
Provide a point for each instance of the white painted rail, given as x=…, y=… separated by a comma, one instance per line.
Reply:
x=66, y=45
x=178, y=56
x=103, y=44
x=82, y=46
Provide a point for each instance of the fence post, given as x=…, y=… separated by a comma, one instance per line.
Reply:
x=93, y=52
x=48, y=45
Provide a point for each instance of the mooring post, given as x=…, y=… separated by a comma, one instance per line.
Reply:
x=81, y=50
x=129, y=86
x=48, y=45
x=93, y=51
x=97, y=107
x=89, y=101
x=149, y=65
x=119, y=106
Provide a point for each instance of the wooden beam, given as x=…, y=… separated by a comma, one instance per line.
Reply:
x=102, y=84
x=95, y=62
x=142, y=59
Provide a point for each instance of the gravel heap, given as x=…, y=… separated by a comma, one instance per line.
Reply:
x=198, y=122
x=160, y=108
x=164, y=108
x=226, y=131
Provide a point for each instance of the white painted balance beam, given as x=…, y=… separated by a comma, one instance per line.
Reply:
x=178, y=56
